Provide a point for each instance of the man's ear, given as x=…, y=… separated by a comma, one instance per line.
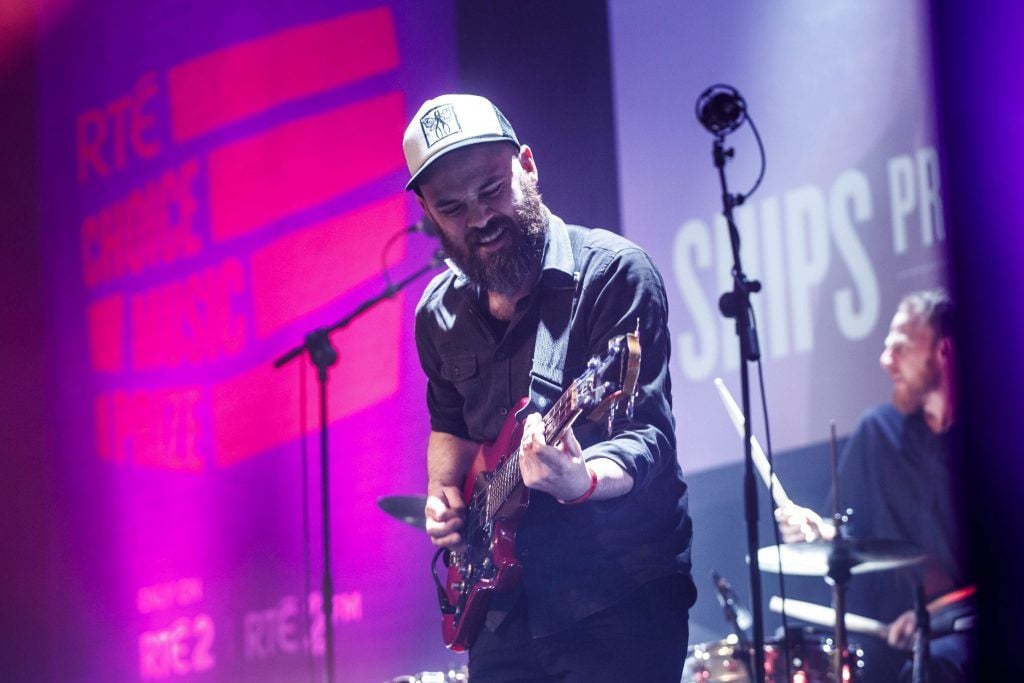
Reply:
x=527, y=161
x=944, y=349
x=428, y=216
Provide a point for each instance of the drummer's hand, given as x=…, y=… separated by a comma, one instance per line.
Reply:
x=901, y=632
x=445, y=512
x=802, y=525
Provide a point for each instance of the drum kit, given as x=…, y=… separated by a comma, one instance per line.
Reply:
x=803, y=655
x=806, y=655
x=809, y=650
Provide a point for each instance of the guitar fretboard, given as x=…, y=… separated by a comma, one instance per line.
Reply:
x=507, y=476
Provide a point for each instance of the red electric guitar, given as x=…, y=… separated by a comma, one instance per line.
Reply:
x=497, y=498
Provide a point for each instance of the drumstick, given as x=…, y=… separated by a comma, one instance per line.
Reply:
x=760, y=461
x=826, y=616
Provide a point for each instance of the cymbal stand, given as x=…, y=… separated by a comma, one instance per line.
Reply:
x=840, y=562
x=921, y=641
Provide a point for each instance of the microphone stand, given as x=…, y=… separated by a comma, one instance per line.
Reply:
x=323, y=355
x=730, y=608
x=736, y=304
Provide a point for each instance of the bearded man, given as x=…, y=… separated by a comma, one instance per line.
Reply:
x=604, y=543
x=896, y=473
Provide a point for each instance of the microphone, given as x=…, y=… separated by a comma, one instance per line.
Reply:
x=721, y=109
x=735, y=613
x=424, y=226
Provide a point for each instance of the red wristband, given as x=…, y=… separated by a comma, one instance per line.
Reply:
x=586, y=494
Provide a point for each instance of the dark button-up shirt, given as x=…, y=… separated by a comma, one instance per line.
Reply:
x=580, y=559
x=895, y=473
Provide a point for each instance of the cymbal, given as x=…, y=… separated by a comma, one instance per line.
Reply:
x=408, y=509
x=865, y=555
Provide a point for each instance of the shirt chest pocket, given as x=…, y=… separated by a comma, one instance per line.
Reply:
x=457, y=369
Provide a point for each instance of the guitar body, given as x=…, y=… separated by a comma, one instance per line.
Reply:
x=488, y=564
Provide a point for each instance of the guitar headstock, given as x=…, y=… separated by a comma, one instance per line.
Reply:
x=608, y=387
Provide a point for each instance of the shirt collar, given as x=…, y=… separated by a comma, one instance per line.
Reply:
x=559, y=266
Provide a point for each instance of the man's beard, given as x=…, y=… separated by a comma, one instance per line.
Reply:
x=504, y=271
x=909, y=397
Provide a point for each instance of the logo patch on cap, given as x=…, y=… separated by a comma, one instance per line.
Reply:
x=439, y=123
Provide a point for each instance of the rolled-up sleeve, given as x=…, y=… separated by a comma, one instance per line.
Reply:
x=444, y=402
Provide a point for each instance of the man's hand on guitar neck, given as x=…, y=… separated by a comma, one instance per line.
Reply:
x=561, y=470
x=445, y=512
x=558, y=470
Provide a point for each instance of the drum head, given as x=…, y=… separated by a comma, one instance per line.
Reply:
x=720, y=661
x=809, y=653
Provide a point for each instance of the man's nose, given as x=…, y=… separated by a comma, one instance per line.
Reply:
x=885, y=360
x=477, y=214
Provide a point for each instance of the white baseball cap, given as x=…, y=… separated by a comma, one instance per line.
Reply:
x=449, y=122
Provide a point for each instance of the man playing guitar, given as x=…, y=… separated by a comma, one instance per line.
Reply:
x=602, y=550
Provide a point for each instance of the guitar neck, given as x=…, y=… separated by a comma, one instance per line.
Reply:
x=507, y=476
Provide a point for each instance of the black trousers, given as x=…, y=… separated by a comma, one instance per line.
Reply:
x=641, y=638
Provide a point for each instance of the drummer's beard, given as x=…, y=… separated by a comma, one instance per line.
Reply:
x=910, y=391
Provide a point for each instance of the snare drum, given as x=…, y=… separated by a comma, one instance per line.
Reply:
x=810, y=660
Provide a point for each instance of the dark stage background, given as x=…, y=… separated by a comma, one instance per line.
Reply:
x=151, y=481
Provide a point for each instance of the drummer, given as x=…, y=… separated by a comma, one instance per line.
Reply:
x=896, y=474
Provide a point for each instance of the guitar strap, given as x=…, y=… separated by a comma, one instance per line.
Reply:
x=559, y=293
